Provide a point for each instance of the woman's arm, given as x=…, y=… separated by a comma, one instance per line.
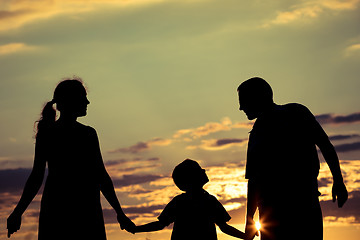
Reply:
x=31, y=188
x=107, y=189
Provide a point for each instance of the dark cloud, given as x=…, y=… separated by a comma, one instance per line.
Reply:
x=348, y=147
x=138, y=147
x=324, y=182
x=12, y=14
x=13, y=180
x=350, y=209
x=343, y=137
x=132, y=212
x=128, y=180
x=338, y=119
x=147, y=209
x=142, y=146
x=235, y=200
x=111, y=163
x=226, y=141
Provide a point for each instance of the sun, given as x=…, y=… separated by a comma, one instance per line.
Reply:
x=257, y=225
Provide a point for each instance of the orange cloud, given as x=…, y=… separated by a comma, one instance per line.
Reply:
x=212, y=127
x=11, y=48
x=14, y=14
x=219, y=144
x=311, y=9
x=352, y=50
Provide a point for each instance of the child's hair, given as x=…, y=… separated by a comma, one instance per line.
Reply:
x=189, y=175
x=65, y=91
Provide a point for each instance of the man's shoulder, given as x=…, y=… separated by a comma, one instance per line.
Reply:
x=294, y=109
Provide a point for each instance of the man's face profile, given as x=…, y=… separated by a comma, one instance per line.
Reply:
x=249, y=106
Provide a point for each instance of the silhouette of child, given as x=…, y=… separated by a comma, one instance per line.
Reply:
x=195, y=212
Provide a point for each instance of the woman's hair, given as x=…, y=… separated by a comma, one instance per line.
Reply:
x=64, y=92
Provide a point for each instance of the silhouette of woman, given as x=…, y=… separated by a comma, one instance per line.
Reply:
x=70, y=204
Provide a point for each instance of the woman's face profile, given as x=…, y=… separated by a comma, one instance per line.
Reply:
x=79, y=106
x=74, y=102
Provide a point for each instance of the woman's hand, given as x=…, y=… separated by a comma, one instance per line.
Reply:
x=13, y=223
x=126, y=223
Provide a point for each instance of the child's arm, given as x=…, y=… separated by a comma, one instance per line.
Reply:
x=230, y=230
x=150, y=227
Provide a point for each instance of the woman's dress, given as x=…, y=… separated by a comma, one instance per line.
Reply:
x=70, y=204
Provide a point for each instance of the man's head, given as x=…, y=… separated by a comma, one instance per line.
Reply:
x=255, y=96
x=189, y=176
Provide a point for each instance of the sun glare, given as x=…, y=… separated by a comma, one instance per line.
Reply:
x=257, y=225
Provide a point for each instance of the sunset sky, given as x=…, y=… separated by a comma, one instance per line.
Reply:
x=162, y=77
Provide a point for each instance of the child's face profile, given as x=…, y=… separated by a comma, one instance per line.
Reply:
x=189, y=176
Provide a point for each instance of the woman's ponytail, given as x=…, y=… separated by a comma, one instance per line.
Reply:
x=48, y=116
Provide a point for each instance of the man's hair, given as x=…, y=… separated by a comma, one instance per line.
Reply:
x=256, y=87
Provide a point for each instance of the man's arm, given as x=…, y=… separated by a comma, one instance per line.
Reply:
x=251, y=206
x=339, y=191
x=321, y=139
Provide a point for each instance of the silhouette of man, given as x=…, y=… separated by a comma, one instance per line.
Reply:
x=282, y=166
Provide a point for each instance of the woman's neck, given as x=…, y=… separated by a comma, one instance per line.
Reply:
x=67, y=119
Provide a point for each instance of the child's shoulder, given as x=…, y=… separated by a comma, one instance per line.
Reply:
x=188, y=197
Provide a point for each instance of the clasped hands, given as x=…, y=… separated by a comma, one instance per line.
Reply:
x=126, y=223
x=250, y=230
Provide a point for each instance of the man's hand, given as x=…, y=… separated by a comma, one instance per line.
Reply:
x=339, y=192
x=250, y=229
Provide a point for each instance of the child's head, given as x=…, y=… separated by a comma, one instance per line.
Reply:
x=188, y=175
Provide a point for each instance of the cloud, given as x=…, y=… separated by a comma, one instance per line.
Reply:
x=350, y=211
x=310, y=10
x=338, y=119
x=219, y=144
x=13, y=180
x=191, y=134
x=117, y=163
x=343, y=137
x=352, y=50
x=212, y=127
x=11, y=48
x=14, y=163
x=14, y=14
x=142, y=146
x=132, y=212
x=120, y=167
x=128, y=180
x=348, y=147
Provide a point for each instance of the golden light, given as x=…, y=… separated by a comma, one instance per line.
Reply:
x=257, y=225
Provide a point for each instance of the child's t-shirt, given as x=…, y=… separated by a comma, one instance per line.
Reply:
x=194, y=217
